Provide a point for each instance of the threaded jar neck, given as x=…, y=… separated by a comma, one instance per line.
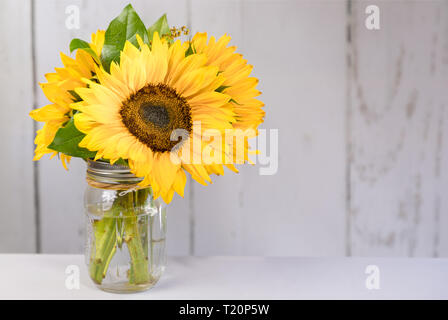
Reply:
x=104, y=172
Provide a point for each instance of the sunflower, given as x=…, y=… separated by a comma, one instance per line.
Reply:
x=59, y=90
x=238, y=84
x=132, y=112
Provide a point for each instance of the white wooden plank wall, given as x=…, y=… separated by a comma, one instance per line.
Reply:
x=17, y=209
x=398, y=129
x=301, y=209
x=361, y=117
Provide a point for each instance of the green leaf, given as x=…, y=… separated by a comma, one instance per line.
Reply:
x=76, y=44
x=67, y=140
x=235, y=102
x=161, y=26
x=76, y=97
x=124, y=27
x=122, y=162
x=190, y=50
x=222, y=88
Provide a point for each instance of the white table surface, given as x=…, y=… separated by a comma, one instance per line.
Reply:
x=30, y=276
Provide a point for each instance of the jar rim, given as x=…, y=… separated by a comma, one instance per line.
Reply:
x=105, y=172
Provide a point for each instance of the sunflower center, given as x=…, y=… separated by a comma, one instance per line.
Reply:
x=158, y=115
x=152, y=113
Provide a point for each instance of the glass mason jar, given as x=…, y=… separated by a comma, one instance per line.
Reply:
x=126, y=227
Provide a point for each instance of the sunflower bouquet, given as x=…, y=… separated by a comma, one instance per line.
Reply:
x=154, y=108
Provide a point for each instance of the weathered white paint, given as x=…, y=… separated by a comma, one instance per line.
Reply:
x=397, y=129
x=17, y=213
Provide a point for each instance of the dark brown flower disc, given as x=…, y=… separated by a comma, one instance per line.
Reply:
x=152, y=113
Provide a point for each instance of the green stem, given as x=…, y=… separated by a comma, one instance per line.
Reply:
x=107, y=238
x=139, y=262
x=105, y=247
